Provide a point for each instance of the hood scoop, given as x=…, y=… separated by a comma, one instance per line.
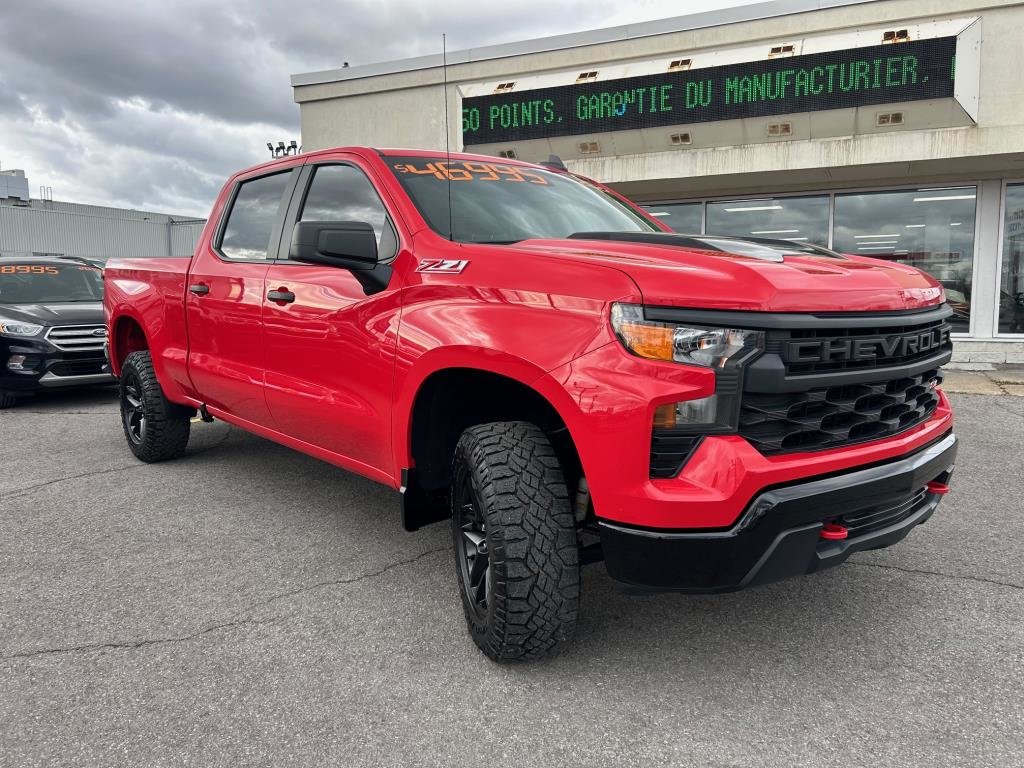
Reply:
x=727, y=246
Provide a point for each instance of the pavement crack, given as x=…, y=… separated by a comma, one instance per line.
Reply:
x=336, y=582
x=1007, y=409
x=144, y=642
x=18, y=493
x=954, y=576
x=229, y=623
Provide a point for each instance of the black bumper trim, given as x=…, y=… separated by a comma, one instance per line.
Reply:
x=778, y=535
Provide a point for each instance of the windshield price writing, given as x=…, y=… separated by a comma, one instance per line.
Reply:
x=458, y=170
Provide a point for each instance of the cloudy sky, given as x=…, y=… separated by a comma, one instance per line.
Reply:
x=152, y=103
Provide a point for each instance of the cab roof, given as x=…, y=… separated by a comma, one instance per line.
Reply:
x=438, y=154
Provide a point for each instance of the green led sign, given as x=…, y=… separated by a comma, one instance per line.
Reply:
x=881, y=74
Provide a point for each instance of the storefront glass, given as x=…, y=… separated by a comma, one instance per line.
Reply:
x=684, y=217
x=1011, y=278
x=932, y=229
x=804, y=219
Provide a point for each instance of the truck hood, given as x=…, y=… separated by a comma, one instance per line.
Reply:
x=709, y=279
x=57, y=313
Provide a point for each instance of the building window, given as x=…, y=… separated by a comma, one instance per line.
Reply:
x=684, y=217
x=1011, y=278
x=803, y=219
x=932, y=229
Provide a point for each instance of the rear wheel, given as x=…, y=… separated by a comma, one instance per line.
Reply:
x=7, y=400
x=515, y=541
x=156, y=428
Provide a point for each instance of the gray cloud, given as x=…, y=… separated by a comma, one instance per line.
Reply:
x=152, y=104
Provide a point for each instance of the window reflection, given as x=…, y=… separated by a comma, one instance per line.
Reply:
x=1011, y=278
x=801, y=219
x=931, y=229
x=343, y=193
x=682, y=217
x=247, y=234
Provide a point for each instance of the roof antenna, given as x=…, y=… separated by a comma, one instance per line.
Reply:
x=447, y=140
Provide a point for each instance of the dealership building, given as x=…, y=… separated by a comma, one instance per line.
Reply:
x=887, y=128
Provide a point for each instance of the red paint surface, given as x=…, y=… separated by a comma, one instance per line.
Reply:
x=335, y=374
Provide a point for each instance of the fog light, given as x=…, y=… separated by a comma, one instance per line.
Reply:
x=687, y=413
x=703, y=411
x=16, y=363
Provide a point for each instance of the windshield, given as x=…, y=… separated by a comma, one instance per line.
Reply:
x=498, y=203
x=49, y=283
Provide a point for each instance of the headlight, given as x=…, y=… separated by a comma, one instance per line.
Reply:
x=18, y=328
x=709, y=347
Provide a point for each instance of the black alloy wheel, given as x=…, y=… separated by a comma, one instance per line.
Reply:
x=473, y=552
x=133, y=409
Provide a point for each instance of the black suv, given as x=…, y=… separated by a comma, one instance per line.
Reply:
x=52, y=329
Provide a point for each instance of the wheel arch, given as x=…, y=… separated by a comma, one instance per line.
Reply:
x=126, y=336
x=448, y=400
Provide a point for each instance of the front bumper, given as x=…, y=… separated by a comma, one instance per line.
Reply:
x=47, y=367
x=779, y=533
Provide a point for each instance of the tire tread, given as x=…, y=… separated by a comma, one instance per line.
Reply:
x=535, y=559
x=167, y=424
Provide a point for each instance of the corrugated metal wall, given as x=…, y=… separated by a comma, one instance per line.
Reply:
x=93, y=231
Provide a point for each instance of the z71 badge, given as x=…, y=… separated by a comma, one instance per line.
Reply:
x=451, y=266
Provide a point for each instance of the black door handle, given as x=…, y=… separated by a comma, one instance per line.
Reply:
x=199, y=289
x=282, y=296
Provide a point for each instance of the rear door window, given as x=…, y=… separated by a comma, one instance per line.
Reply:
x=251, y=219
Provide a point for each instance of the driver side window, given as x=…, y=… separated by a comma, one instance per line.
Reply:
x=343, y=193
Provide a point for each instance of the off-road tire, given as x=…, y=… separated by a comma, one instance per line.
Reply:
x=166, y=427
x=513, y=476
x=7, y=400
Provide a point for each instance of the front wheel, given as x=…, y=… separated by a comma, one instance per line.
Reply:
x=156, y=428
x=515, y=541
x=7, y=400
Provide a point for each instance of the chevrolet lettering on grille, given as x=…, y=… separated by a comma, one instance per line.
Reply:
x=842, y=348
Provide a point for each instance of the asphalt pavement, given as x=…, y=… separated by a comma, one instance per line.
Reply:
x=247, y=605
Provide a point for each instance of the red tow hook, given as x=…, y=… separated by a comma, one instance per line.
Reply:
x=939, y=489
x=834, y=532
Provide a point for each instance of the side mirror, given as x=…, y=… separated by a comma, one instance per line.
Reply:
x=350, y=245
x=347, y=244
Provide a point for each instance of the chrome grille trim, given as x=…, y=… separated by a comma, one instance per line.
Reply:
x=77, y=338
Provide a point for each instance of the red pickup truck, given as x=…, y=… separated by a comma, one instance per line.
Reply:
x=527, y=353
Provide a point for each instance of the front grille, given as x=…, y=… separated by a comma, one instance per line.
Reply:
x=831, y=417
x=78, y=367
x=78, y=338
x=876, y=518
x=821, y=350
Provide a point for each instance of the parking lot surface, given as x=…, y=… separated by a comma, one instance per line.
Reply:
x=247, y=605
